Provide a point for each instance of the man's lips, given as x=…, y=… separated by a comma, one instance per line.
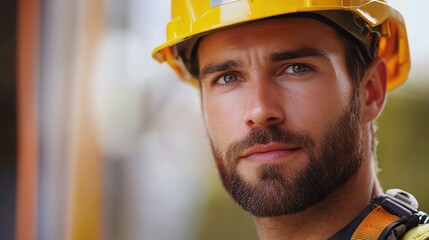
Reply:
x=268, y=153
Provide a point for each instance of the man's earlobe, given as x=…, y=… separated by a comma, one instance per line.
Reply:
x=373, y=90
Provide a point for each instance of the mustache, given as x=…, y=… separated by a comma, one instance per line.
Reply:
x=266, y=135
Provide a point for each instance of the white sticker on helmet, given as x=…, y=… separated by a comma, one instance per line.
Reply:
x=215, y=3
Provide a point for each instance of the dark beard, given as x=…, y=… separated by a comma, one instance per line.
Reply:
x=330, y=165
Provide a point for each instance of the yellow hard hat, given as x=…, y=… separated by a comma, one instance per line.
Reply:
x=192, y=19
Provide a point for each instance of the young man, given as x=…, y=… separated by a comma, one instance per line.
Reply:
x=290, y=92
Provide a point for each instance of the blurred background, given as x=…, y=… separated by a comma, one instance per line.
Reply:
x=99, y=141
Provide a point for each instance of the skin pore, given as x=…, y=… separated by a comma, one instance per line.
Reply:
x=289, y=132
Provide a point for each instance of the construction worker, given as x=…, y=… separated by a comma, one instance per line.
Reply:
x=290, y=91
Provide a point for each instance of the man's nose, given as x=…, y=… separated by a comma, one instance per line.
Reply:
x=265, y=105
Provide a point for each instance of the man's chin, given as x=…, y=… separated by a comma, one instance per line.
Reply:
x=253, y=174
x=271, y=196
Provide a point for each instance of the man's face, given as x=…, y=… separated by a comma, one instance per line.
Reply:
x=281, y=113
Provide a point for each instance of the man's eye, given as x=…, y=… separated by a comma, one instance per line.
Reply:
x=297, y=69
x=226, y=79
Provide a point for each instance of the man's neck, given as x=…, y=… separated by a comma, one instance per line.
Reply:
x=324, y=219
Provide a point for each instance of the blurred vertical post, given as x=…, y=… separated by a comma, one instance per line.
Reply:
x=27, y=65
x=85, y=216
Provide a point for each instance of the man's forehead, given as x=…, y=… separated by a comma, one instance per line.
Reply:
x=281, y=33
x=268, y=42
x=290, y=28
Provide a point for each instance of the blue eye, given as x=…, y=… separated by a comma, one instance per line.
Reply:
x=226, y=79
x=297, y=69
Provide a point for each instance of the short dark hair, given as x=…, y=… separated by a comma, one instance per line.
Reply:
x=356, y=62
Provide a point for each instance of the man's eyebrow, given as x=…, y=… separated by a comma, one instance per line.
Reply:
x=274, y=57
x=299, y=53
x=218, y=67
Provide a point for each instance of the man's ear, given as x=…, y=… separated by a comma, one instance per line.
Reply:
x=373, y=90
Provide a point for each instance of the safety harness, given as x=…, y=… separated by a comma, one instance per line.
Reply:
x=387, y=217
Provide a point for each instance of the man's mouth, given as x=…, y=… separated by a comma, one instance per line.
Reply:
x=271, y=152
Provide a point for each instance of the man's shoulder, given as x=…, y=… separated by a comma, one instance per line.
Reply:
x=421, y=232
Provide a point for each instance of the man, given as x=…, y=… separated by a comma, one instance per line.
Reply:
x=290, y=91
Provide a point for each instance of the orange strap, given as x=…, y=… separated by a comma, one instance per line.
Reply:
x=373, y=225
